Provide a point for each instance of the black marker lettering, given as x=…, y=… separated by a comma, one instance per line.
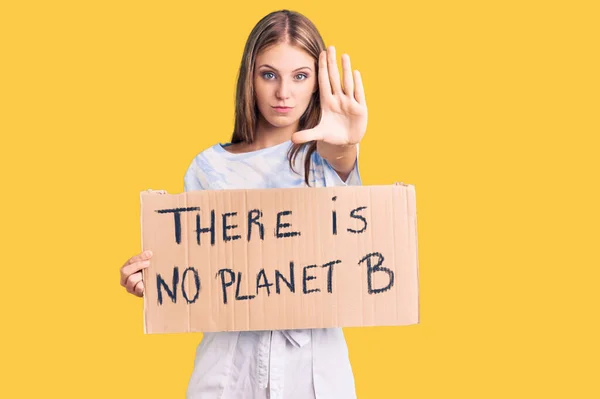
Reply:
x=289, y=283
x=210, y=229
x=330, y=274
x=334, y=219
x=160, y=283
x=279, y=225
x=353, y=215
x=266, y=283
x=177, y=219
x=254, y=220
x=224, y=284
x=196, y=280
x=227, y=227
x=237, y=290
x=377, y=268
x=306, y=278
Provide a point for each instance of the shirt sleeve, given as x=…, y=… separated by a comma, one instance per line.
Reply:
x=191, y=180
x=333, y=179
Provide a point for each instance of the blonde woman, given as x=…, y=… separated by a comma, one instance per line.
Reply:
x=298, y=122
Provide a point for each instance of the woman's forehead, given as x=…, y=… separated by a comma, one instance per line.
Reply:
x=285, y=58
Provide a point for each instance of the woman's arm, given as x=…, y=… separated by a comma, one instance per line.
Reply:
x=341, y=157
x=344, y=115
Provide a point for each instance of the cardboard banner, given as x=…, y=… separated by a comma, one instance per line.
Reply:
x=272, y=259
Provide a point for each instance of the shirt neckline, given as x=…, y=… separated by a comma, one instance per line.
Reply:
x=220, y=148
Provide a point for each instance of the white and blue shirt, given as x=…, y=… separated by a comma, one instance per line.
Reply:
x=290, y=364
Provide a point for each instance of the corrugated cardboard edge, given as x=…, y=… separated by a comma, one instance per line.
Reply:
x=145, y=270
x=144, y=275
x=411, y=189
x=417, y=254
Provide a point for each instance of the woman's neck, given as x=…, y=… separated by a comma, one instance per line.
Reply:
x=267, y=135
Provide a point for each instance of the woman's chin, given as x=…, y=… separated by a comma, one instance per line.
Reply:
x=282, y=121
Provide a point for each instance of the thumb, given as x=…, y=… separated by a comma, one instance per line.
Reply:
x=304, y=136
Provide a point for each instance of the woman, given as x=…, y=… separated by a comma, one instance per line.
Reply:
x=295, y=125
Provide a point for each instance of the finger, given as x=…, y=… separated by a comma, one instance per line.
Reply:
x=138, y=290
x=359, y=90
x=143, y=256
x=324, y=84
x=304, y=136
x=128, y=270
x=132, y=280
x=334, y=72
x=348, y=79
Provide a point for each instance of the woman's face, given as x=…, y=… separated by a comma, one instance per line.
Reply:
x=284, y=76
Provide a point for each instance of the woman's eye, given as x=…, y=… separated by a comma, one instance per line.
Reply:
x=271, y=76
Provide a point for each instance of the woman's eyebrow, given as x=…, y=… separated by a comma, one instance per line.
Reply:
x=297, y=69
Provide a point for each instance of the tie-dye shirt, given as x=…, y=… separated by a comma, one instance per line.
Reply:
x=310, y=363
x=216, y=168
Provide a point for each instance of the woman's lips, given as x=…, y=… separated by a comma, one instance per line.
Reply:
x=283, y=110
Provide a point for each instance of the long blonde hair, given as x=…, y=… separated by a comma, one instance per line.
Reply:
x=283, y=26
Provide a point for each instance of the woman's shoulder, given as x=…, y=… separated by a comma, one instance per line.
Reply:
x=208, y=150
x=201, y=167
x=209, y=153
x=204, y=159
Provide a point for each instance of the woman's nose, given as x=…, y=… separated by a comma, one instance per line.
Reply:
x=283, y=90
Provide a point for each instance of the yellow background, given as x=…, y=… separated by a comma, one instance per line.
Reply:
x=490, y=108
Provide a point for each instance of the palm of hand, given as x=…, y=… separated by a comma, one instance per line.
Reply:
x=344, y=110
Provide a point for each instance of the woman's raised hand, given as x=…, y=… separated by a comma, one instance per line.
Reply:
x=344, y=109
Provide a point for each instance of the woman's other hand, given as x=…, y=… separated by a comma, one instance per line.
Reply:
x=131, y=273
